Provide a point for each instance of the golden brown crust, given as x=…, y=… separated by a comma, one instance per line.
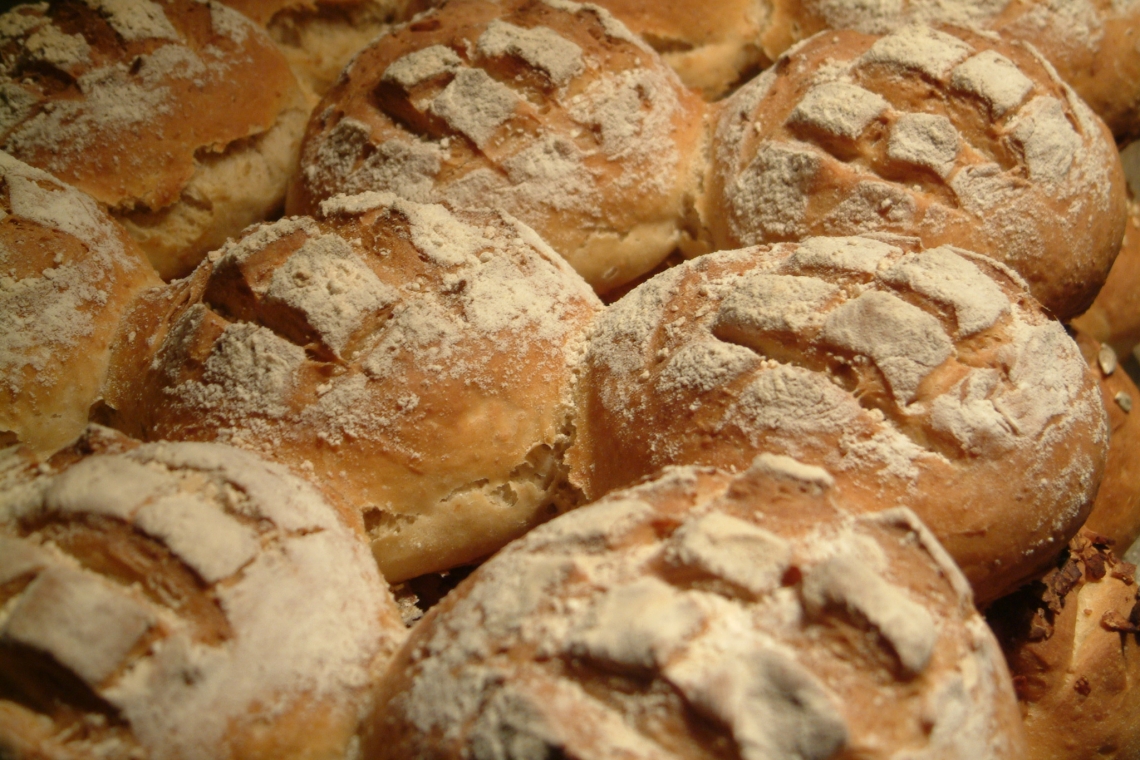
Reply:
x=955, y=137
x=1116, y=511
x=925, y=378
x=150, y=594
x=553, y=111
x=1114, y=317
x=699, y=616
x=124, y=99
x=1091, y=43
x=416, y=364
x=69, y=273
x=1071, y=644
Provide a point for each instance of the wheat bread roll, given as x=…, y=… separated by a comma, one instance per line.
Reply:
x=417, y=364
x=181, y=117
x=185, y=601
x=552, y=111
x=1114, y=317
x=706, y=615
x=958, y=138
x=319, y=37
x=920, y=377
x=1116, y=512
x=1071, y=644
x=1091, y=43
x=67, y=274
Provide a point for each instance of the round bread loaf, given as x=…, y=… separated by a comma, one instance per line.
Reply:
x=417, y=364
x=704, y=615
x=1090, y=42
x=926, y=378
x=67, y=274
x=1114, y=317
x=181, y=117
x=319, y=37
x=552, y=111
x=1116, y=511
x=1071, y=644
x=185, y=601
x=959, y=139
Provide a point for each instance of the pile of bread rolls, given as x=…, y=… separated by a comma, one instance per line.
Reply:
x=520, y=379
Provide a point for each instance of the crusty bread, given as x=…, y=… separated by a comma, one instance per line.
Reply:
x=181, y=117
x=1116, y=511
x=1091, y=43
x=416, y=364
x=699, y=616
x=319, y=37
x=1114, y=317
x=1071, y=644
x=552, y=111
x=959, y=139
x=926, y=378
x=181, y=600
x=67, y=274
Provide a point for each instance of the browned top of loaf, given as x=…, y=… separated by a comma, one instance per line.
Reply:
x=117, y=96
x=263, y=11
x=1114, y=317
x=922, y=377
x=703, y=616
x=956, y=138
x=1091, y=43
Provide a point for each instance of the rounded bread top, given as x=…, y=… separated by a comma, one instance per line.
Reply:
x=1089, y=42
x=958, y=138
x=190, y=597
x=118, y=96
x=705, y=615
x=416, y=362
x=928, y=378
x=67, y=273
x=548, y=109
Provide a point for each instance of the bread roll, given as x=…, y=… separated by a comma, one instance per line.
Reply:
x=1116, y=511
x=1071, y=644
x=1091, y=43
x=552, y=111
x=416, y=364
x=185, y=601
x=1114, y=317
x=960, y=139
x=67, y=274
x=319, y=37
x=926, y=378
x=182, y=117
x=703, y=615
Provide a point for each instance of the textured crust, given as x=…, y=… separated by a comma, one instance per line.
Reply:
x=177, y=601
x=552, y=109
x=1114, y=317
x=69, y=273
x=319, y=38
x=703, y=615
x=1090, y=42
x=959, y=139
x=416, y=364
x=1071, y=644
x=925, y=378
x=126, y=100
x=1116, y=511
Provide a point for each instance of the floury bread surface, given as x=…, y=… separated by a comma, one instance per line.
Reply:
x=703, y=615
x=957, y=139
x=68, y=272
x=415, y=363
x=552, y=111
x=181, y=601
x=928, y=378
x=181, y=117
